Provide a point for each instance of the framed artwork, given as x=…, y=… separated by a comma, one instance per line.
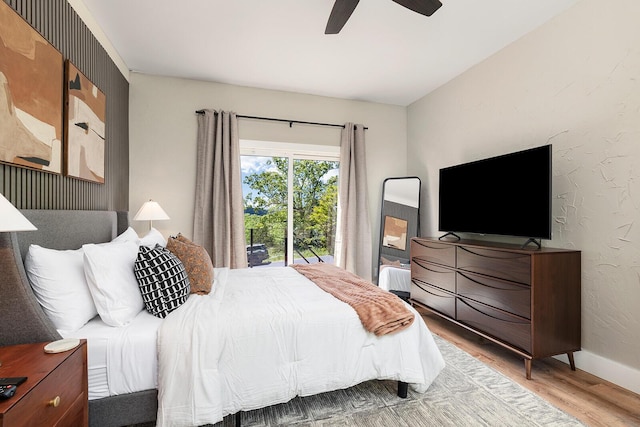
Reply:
x=395, y=233
x=31, y=96
x=85, y=131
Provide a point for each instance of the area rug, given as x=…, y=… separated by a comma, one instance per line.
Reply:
x=466, y=393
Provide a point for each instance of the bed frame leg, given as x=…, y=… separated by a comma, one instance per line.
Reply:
x=402, y=389
x=238, y=417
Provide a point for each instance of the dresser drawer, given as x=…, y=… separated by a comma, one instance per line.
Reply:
x=433, y=274
x=508, y=296
x=37, y=408
x=433, y=297
x=512, y=266
x=511, y=329
x=435, y=252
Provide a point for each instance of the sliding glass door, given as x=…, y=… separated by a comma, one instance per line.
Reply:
x=265, y=193
x=290, y=197
x=315, y=196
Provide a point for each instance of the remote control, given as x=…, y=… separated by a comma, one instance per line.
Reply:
x=12, y=380
x=6, y=391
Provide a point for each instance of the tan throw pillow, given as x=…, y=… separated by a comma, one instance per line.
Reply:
x=183, y=239
x=197, y=263
x=385, y=261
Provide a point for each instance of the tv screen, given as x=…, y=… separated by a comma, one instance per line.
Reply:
x=506, y=195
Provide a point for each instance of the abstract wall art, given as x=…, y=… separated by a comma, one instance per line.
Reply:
x=31, y=96
x=395, y=233
x=85, y=129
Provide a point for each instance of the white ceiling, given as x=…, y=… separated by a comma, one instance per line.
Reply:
x=385, y=53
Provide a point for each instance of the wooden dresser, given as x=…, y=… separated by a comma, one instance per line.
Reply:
x=527, y=300
x=55, y=392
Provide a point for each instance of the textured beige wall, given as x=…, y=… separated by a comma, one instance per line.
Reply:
x=575, y=83
x=163, y=137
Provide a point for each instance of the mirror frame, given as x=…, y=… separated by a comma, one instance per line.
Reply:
x=409, y=212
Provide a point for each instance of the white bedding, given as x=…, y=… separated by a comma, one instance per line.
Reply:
x=395, y=278
x=123, y=359
x=263, y=336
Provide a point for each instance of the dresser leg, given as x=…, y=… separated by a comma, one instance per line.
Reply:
x=572, y=362
x=527, y=368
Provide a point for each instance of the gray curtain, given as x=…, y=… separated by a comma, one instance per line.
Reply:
x=218, y=223
x=353, y=240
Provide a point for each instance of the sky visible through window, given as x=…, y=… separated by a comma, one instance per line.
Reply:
x=253, y=164
x=250, y=164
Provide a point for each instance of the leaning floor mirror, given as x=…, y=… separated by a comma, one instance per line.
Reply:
x=399, y=222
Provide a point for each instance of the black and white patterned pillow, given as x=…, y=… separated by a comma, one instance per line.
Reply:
x=162, y=280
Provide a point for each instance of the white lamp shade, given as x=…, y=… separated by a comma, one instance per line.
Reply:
x=11, y=219
x=150, y=211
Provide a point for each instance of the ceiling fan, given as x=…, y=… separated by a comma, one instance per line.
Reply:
x=342, y=10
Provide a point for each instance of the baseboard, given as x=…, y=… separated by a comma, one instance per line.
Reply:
x=607, y=369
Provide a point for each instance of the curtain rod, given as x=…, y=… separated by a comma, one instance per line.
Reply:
x=291, y=122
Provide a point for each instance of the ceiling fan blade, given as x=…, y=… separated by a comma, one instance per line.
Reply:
x=423, y=7
x=342, y=10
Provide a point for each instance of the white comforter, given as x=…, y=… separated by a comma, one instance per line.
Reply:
x=264, y=336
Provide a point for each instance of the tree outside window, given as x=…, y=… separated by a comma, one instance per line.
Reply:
x=314, y=191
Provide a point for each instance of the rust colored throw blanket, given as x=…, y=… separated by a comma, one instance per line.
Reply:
x=380, y=311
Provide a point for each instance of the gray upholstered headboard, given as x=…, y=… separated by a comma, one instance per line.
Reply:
x=23, y=320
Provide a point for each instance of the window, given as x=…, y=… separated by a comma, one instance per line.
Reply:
x=290, y=196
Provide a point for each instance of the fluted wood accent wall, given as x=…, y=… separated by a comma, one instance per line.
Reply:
x=29, y=189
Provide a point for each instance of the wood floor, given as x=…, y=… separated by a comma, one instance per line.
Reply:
x=592, y=400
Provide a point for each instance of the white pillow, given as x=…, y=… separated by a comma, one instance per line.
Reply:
x=108, y=268
x=150, y=239
x=128, y=235
x=58, y=281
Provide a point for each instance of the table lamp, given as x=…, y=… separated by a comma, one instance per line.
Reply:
x=150, y=211
x=11, y=219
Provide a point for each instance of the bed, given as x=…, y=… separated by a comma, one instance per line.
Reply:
x=129, y=396
x=392, y=278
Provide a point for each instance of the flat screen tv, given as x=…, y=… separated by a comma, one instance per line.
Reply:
x=505, y=195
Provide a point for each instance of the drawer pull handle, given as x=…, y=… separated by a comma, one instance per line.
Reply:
x=423, y=244
x=55, y=402
x=498, y=254
x=486, y=285
x=431, y=293
x=491, y=316
x=429, y=267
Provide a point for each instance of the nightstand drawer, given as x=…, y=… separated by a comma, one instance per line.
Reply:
x=57, y=400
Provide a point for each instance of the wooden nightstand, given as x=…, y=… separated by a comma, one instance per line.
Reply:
x=55, y=392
